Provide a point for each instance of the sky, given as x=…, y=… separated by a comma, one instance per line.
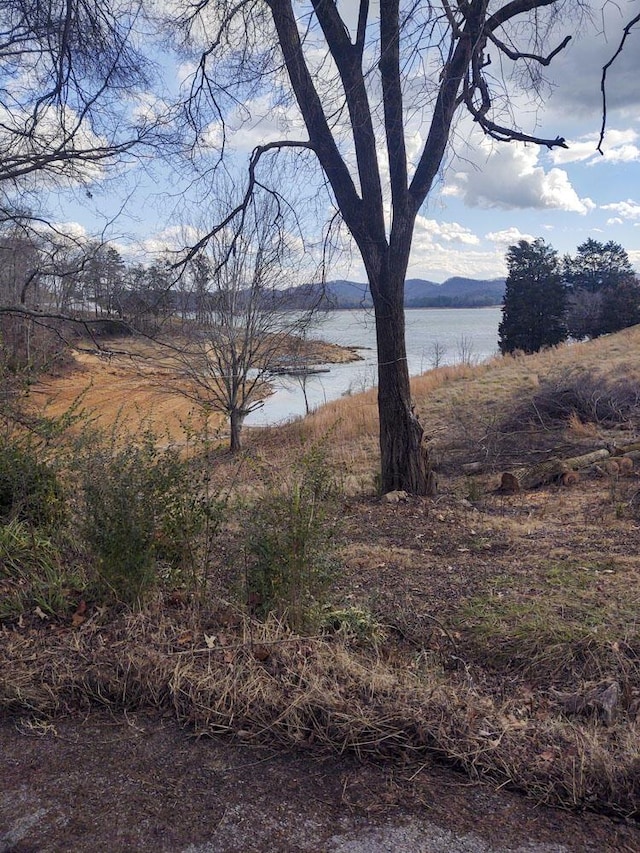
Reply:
x=489, y=195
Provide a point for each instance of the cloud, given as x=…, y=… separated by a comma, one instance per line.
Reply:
x=172, y=239
x=74, y=232
x=59, y=128
x=577, y=70
x=437, y=262
x=449, y=232
x=508, y=237
x=619, y=147
x=625, y=209
x=256, y=122
x=509, y=177
x=441, y=249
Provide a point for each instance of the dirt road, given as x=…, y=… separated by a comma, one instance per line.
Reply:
x=135, y=784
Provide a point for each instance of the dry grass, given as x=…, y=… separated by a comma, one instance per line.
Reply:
x=501, y=614
x=260, y=683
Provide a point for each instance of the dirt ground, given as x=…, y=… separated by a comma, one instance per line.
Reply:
x=135, y=783
x=137, y=382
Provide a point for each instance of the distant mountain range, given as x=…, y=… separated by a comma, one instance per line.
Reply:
x=455, y=292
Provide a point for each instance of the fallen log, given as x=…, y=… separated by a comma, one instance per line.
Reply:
x=549, y=471
x=577, y=462
x=624, y=449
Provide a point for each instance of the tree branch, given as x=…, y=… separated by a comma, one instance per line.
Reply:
x=389, y=66
x=320, y=135
x=348, y=59
x=240, y=209
x=516, y=54
x=603, y=80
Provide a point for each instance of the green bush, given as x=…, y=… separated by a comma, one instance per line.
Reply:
x=29, y=489
x=290, y=543
x=142, y=508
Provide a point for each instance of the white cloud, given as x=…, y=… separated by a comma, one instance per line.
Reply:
x=256, y=123
x=615, y=221
x=438, y=262
x=74, y=231
x=510, y=177
x=618, y=146
x=449, y=232
x=56, y=126
x=625, y=209
x=171, y=239
x=442, y=249
x=508, y=237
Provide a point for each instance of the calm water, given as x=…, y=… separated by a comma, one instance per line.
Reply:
x=447, y=335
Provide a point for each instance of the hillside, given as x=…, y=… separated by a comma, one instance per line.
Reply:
x=456, y=292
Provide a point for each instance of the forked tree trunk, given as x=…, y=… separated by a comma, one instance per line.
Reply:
x=404, y=460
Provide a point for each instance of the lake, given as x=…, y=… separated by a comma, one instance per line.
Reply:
x=433, y=335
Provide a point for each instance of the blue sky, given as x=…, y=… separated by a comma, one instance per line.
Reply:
x=489, y=194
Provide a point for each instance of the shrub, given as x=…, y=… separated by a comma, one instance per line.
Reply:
x=29, y=489
x=142, y=505
x=289, y=544
x=583, y=394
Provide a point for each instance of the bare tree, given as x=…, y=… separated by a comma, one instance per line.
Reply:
x=438, y=353
x=67, y=71
x=245, y=324
x=70, y=74
x=358, y=85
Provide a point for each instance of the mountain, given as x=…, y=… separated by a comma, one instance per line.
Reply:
x=455, y=292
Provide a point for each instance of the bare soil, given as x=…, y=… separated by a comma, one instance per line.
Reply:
x=114, y=783
x=137, y=383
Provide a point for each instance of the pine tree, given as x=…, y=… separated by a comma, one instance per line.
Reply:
x=535, y=299
x=604, y=295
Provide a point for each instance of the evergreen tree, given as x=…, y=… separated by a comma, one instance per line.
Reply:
x=620, y=306
x=534, y=301
x=603, y=292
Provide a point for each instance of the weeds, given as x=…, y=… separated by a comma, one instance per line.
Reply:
x=564, y=630
x=33, y=574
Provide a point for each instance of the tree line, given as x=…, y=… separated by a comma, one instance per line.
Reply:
x=549, y=299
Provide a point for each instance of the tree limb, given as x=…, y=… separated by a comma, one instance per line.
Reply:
x=603, y=80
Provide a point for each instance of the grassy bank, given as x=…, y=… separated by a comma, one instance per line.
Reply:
x=494, y=631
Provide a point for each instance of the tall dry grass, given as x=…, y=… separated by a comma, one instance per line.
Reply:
x=444, y=398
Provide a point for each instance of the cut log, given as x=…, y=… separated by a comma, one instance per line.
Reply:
x=509, y=484
x=624, y=449
x=552, y=470
x=545, y=472
x=570, y=478
x=577, y=462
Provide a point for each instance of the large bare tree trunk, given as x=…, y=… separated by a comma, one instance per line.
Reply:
x=404, y=462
